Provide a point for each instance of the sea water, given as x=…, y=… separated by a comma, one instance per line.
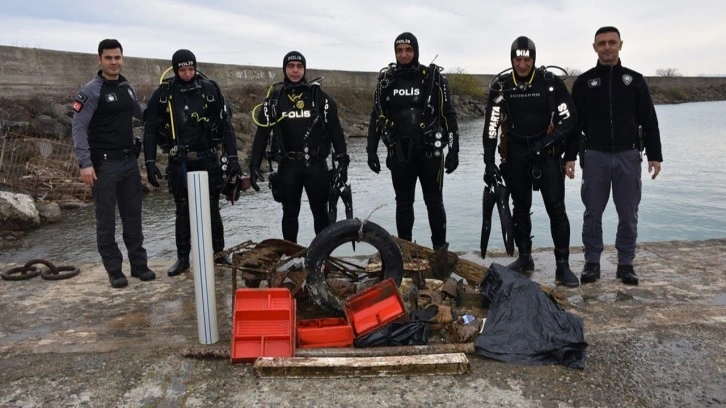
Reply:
x=686, y=202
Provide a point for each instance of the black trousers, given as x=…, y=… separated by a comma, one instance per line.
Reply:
x=295, y=176
x=176, y=174
x=428, y=169
x=519, y=179
x=118, y=183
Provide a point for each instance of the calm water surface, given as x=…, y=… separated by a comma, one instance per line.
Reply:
x=686, y=202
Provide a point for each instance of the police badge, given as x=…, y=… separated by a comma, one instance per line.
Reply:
x=627, y=79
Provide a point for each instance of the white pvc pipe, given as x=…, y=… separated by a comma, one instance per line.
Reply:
x=202, y=257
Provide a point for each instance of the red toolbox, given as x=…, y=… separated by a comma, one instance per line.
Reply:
x=330, y=332
x=263, y=324
x=374, y=307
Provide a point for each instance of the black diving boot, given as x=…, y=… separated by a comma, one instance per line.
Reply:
x=223, y=260
x=524, y=263
x=440, y=264
x=181, y=265
x=564, y=275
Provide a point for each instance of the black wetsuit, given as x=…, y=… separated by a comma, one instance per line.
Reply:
x=525, y=108
x=304, y=121
x=103, y=137
x=400, y=116
x=201, y=124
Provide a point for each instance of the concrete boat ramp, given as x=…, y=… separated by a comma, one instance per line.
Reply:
x=78, y=342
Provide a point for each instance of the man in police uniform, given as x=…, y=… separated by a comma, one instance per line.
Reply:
x=200, y=123
x=618, y=121
x=105, y=149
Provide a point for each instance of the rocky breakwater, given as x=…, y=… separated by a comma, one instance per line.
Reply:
x=20, y=213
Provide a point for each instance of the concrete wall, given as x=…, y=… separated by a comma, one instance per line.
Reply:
x=33, y=71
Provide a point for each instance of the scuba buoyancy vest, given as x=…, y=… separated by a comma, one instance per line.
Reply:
x=408, y=104
x=294, y=112
x=194, y=114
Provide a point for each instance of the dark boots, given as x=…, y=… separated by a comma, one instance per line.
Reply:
x=590, y=273
x=223, y=260
x=181, y=265
x=117, y=279
x=143, y=273
x=440, y=263
x=564, y=275
x=524, y=264
x=627, y=274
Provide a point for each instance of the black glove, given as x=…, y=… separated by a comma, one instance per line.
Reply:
x=153, y=173
x=373, y=162
x=452, y=161
x=343, y=161
x=490, y=172
x=233, y=167
x=254, y=175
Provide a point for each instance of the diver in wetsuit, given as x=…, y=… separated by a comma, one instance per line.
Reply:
x=416, y=120
x=300, y=122
x=536, y=116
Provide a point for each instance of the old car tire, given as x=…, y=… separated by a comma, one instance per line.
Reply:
x=336, y=235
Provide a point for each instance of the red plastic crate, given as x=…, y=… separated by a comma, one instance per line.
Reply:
x=330, y=332
x=374, y=307
x=263, y=324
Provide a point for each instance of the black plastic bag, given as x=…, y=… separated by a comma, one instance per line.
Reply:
x=396, y=334
x=525, y=326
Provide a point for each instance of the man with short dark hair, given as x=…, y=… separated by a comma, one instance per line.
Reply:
x=618, y=120
x=106, y=152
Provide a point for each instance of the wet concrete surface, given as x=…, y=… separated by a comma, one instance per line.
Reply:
x=78, y=342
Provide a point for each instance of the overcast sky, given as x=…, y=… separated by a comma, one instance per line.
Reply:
x=473, y=35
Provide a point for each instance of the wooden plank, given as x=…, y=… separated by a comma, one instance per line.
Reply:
x=467, y=348
x=217, y=352
x=330, y=367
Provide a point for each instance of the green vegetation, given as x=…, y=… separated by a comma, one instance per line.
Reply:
x=464, y=84
x=675, y=94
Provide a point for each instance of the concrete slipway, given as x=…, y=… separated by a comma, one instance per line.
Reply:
x=78, y=342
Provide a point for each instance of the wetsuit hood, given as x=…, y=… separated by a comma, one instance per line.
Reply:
x=407, y=38
x=523, y=47
x=294, y=56
x=183, y=58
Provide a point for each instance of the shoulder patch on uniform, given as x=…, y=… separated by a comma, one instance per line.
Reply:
x=79, y=101
x=81, y=97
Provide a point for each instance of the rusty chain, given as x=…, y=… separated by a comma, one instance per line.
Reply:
x=31, y=270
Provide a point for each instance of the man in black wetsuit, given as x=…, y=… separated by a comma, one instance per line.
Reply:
x=201, y=123
x=299, y=122
x=104, y=141
x=536, y=116
x=415, y=118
